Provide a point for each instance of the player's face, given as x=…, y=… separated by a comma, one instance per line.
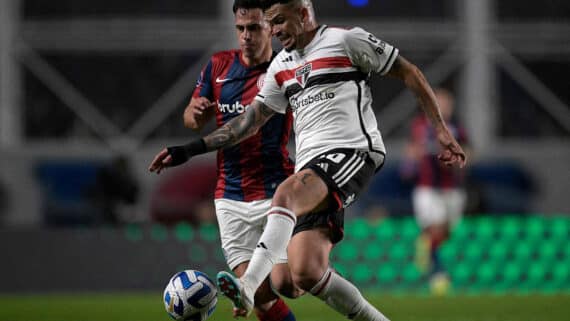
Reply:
x=286, y=23
x=253, y=32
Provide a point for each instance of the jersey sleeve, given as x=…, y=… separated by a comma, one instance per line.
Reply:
x=368, y=52
x=204, y=83
x=271, y=93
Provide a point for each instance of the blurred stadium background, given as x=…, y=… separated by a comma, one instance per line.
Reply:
x=91, y=90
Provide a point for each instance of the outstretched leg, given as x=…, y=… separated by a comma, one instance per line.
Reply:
x=311, y=190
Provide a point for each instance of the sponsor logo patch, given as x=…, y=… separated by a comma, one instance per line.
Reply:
x=221, y=81
x=311, y=99
x=236, y=107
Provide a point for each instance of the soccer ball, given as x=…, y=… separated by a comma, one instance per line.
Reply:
x=190, y=296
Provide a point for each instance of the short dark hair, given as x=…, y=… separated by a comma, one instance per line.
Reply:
x=248, y=4
x=269, y=3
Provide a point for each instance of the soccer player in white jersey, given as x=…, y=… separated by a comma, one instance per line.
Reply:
x=321, y=74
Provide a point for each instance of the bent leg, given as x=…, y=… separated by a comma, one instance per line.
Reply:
x=309, y=263
x=304, y=192
x=309, y=257
x=296, y=196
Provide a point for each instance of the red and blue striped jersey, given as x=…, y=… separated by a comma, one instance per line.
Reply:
x=254, y=168
x=432, y=172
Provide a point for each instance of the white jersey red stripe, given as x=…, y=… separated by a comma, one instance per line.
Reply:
x=325, y=84
x=322, y=63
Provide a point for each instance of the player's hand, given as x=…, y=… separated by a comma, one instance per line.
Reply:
x=161, y=161
x=452, y=153
x=200, y=104
x=169, y=157
x=198, y=112
x=176, y=155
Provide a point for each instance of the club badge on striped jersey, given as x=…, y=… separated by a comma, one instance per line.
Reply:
x=302, y=74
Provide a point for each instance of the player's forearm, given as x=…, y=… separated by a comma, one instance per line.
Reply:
x=418, y=84
x=227, y=135
x=233, y=132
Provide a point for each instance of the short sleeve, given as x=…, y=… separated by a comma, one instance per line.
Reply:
x=204, y=83
x=271, y=94
x=368, y=52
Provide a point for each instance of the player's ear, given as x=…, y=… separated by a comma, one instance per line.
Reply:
x=304, y=15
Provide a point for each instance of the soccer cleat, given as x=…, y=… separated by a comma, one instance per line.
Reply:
x=232, y=288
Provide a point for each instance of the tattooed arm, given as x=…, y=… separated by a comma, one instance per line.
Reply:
x=233, y=132
x=239, y=128
x=415, y=80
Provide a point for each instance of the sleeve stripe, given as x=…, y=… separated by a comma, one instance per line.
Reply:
x=390, y=61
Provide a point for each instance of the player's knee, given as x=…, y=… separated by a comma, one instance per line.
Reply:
x=305, y=278
x=289, y=290
x=286, y=288
x=282, y=282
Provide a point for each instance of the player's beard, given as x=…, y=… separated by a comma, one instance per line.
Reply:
x=288, y=44
x=294, y=39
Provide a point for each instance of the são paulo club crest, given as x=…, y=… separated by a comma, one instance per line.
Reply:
x=302, y=74
x=260, y=80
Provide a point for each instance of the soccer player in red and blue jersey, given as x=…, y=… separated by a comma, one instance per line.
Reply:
x=438, y=196
x=248, y=172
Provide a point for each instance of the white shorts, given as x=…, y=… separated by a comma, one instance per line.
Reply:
x=241, y=225
x=437, y=206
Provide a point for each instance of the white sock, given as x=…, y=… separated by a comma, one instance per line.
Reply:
x=345, y=298
x=271, y=248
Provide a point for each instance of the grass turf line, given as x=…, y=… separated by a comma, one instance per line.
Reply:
x=149, y=307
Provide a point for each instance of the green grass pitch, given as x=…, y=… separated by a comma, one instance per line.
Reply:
x=148, y=307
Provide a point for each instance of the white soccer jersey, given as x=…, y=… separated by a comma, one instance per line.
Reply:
x=326, y=86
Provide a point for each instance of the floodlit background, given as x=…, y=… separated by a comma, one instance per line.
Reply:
x=91, y=90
